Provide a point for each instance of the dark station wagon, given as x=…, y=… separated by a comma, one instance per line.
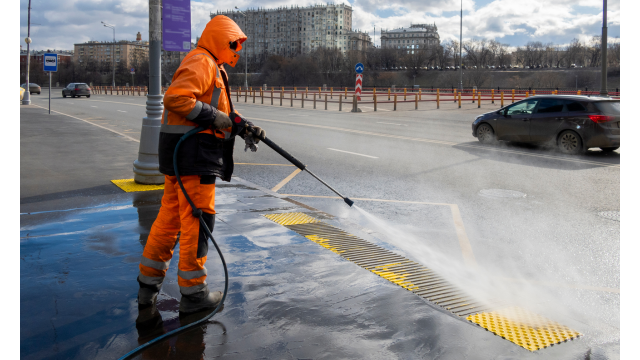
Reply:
x=572, y=123
x=76, y=89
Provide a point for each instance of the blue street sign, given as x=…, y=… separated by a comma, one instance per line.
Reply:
x=359, y=68
x=50, y=62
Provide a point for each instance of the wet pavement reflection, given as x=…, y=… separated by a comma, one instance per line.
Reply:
x=288, y=297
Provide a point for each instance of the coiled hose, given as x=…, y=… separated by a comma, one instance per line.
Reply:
x=196, y=213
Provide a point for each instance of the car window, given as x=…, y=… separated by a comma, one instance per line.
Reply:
x=70, y=85
x=550, y=105
x=82, y=86
x=608, y=107
x=525, y=107
x=573, y=105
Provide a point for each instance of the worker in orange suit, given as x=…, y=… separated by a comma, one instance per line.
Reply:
x=198, y=97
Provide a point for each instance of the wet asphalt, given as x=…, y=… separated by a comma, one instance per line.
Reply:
x=292, y=298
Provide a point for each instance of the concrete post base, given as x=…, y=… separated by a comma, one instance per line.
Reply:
x=26, y=97
x=146, y=167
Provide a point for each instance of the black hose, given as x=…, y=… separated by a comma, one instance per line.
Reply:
x=196, y=213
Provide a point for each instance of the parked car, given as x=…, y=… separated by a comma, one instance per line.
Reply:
x=33, y=88
x=76, y=89
x=570, y=122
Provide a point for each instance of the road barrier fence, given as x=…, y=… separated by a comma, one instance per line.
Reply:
x=369, y=95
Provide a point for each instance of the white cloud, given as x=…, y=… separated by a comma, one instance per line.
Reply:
x=63, y=23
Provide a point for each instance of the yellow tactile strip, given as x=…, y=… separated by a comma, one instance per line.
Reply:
x=129, y=185
x=293, y=218
x=526, y=329
x=522, y=327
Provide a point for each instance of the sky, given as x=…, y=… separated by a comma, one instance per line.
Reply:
x=60, y=24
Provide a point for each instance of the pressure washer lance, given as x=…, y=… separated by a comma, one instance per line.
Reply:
x=292, y=159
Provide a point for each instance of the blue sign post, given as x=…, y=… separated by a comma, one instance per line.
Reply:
x=359, y=68
x=51, y=65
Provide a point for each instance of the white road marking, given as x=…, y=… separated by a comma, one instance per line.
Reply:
x=121, y=110
x=390, y=123
x=89, y=122
x=349, y=152
x=94, y=106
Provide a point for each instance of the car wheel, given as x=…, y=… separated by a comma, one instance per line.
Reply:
x=485, y=134
x=64, y=95
x=570, y=143
x=609, y=149
x=88, y=96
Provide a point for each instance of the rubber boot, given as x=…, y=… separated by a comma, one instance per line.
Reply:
x=200, y=301
x=147, y=297
x=147, y=294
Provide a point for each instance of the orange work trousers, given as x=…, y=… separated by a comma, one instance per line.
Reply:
x=176, y=216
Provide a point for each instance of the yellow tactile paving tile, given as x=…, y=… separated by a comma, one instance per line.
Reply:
x=129, y=185
x=396, y=278
x=293, y=218
x=524, y=328
x=323, y=242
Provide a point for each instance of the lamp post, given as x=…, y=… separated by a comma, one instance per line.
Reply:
x=603, y=82
x=146, y=169
x=26, y=98
x=113, y=52
x=246, y=85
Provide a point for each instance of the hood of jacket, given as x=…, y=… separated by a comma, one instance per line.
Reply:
x=216, y=37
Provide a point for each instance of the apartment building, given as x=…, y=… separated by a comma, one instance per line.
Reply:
x=289, y=31
x=105, y=51
x=123, y=50
x=415, y=37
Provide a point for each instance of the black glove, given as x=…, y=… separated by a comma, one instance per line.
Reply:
x=251, y=139
x=221, y=120
x=257, y=134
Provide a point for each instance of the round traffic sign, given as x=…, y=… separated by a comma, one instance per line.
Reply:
x=359, y=68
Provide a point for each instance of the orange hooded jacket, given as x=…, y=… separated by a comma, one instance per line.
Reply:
x=199, y=77
x=198, y=86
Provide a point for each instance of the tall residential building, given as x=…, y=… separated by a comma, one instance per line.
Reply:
x=123, y=50
x=289, y=31
x=107, y=51
x=417, y=36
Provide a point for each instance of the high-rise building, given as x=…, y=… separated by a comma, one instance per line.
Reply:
x=123, y=50
x=289, y=31
x=416, y=37
x=106, y=51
